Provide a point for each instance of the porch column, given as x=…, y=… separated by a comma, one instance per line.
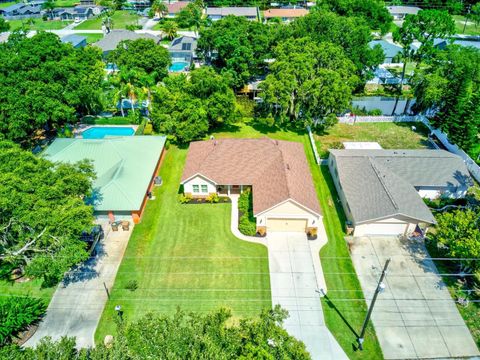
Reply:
x=241, y=189
x=228, y=190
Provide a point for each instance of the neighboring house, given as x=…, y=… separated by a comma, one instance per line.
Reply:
x=87, y=2
x=125, y=167
x=174, y=8
x=79, y=12
x=110, y=41
x=214, y=14
x=399, y=12
x=21, y=11
x=126, y=106
x=442, y=43
x=382, y=76
x=182, y=49
x=139, y=4
x=381, y=190
x=77, y=41
x=284, y=197
x=390, y=50
x=285, y=15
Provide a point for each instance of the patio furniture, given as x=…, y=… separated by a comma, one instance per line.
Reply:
x=125, y=225
x=114, y=226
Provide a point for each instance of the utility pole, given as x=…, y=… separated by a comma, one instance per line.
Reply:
x=379, y=289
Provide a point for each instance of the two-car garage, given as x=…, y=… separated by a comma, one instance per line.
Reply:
x=285, y=224
x=397, y=226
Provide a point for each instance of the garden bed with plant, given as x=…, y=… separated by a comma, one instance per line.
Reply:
x=210, y=199
x=247, y=223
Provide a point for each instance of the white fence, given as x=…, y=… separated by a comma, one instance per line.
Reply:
x=375, y=119
x=314, y=146
x=441, y=136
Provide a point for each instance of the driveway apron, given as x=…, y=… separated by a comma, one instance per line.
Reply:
x=294, y=286
x=78, y=302
x=415, y=317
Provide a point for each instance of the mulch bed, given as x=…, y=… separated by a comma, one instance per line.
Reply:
x=23, y=337
x=221, y=200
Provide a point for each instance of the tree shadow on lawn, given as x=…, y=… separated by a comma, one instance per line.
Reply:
x=331, y=305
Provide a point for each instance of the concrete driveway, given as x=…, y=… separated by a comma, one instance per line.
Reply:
x=295, y=279
x=415, y=318
x=78, y=302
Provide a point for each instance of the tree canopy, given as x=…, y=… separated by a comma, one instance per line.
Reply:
x=236, y=47
x=42, y=213
x=450, y=85
x=308, y=82
x=182, y=336
x=45, y=84
x=187, y=108
x=352, y=34
x=141, y=55
x=373, y=11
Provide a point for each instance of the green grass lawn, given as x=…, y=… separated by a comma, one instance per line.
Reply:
x=66, y=3
x=114, y=120
x=388, y=135
x=471, y=28
x=334, y=256
x=186, y=255
x=32, y=288
x=121, y=18
x=91, y=38
x=39, y=24
x=6, y=4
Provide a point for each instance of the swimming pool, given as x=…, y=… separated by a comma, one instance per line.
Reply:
x=99, y=132
x=178, y=66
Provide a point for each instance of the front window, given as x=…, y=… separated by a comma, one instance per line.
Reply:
x=196, y=188
x=204, y=188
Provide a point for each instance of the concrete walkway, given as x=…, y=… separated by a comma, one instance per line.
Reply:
x=415, y=317
x=295, y=279
x=78, y=302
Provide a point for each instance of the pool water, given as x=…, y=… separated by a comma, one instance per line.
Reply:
x=99, y=132
x=178, y=66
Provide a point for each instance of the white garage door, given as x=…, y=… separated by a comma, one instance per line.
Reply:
x=385, y=229
x=286, y=225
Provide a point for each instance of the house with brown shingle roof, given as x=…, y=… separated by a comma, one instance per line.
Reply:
x=286, y=15
x=277, y=172
x=175, y=7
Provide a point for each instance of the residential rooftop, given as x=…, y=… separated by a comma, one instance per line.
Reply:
x=277, y=170
x=124, y=167
x=110, y=41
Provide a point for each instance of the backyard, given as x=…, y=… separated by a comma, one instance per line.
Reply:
x=120, y=20
x=38, y=24
x=185, y=255
x=388, y=135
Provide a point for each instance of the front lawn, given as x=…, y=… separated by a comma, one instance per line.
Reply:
x=91, y=38
x=38, y=24
x=66, y=3
x=185, y=255
x=337, y=266
x=6, y=4
x=114, y=120
x=388, y=135
x=120, y=20
x=470, y=29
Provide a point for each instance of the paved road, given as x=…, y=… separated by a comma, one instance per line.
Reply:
x=415, y=318
x=78, y=302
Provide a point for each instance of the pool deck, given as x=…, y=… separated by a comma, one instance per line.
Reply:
x=78, y=131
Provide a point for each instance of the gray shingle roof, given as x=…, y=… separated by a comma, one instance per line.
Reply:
x=237, y=11
x=112, y=39
x=381, y=183
x=390, y=50
x=403, y=9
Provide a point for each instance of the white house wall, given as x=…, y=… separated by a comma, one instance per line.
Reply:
x=288, y=210
x=199, y=180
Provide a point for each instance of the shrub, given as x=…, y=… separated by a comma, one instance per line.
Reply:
x=167, y=145
x=148, y=129
x=247, y=226
x=185, y=198
x=17, y=313
x=213, y=198
x=245, y=201
x=132, y=285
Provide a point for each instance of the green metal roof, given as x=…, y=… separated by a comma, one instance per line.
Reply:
x=124, y=167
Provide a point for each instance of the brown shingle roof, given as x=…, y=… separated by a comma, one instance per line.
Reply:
x=175, y=8
x=285, y=13
x=277, y=170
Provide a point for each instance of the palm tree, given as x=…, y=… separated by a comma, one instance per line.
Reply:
x=170, y=29
x=159, y=7
x=49, y=5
